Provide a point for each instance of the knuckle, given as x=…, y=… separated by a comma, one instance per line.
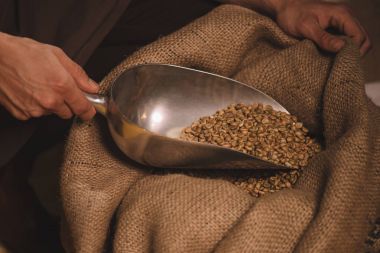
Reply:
x=66, y=116
x=78, y=69
x=55, y=49
x=307, y=27
x=35, y=113
x=79, y=72
x=305, y=31
x=326, y=41
x=21, y=116
x=50, y=102
x=83, y=109
x=61, y=84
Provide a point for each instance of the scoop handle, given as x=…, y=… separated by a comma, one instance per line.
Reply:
x=100, y=102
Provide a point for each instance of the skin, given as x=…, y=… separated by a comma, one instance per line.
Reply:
x=310, y=19
x=38, y=79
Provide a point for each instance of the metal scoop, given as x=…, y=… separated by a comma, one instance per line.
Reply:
x=149, y=105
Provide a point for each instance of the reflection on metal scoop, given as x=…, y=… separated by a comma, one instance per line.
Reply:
x=149, y=105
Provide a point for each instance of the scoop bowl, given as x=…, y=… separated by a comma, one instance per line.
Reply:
x=149, y=105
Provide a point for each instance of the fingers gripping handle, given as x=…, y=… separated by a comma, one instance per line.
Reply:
x=99, y=102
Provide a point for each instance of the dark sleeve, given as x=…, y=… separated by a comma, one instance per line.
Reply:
x=8, y=17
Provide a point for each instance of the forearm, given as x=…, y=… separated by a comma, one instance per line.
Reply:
x=269, y=7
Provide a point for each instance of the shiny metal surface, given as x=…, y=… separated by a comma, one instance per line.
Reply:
x=99, y=102
x=150, y=104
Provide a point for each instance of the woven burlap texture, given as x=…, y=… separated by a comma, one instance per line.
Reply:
x=111, y=202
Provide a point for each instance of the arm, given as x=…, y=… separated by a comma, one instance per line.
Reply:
x=38, y=79
x=310, y=19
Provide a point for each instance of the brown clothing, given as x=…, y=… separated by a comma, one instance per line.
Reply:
x=78, y=27
x=143, y=22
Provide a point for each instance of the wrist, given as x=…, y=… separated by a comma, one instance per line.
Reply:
x=268, y=7
x=277, y=6
x=272, y=7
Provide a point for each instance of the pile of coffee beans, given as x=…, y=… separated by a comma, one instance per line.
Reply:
x=260, y=131
x=257, y=130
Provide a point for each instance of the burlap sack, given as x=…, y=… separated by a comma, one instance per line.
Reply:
x=106, y=195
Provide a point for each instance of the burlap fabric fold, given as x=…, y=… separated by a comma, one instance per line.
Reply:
x=112, y=203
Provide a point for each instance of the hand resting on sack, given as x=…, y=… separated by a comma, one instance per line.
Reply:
x=310, y=19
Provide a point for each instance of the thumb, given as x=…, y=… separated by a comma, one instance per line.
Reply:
x=313, y=31
x=79, y=75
